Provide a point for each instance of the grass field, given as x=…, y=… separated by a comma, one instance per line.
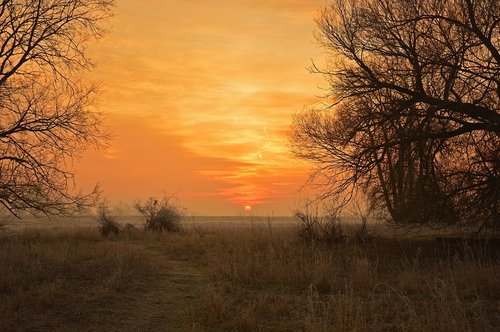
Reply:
x=263, y=278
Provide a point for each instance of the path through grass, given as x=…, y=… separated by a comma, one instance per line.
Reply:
x=234, y=279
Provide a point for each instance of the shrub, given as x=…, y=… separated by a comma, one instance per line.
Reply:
x=317, y=228
x=107, y=222
x=362, y=211
x=161, y=215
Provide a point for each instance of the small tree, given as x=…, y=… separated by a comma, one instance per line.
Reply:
x=162, y=215
x=46, y=118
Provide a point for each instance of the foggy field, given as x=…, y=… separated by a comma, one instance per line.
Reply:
x=90, y=221
x=257, y=277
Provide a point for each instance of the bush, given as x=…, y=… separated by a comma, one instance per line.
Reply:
x=316, y=228
x=163, y=215
x=107, y=222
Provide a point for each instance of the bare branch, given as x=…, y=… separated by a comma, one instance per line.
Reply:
x=46, y=118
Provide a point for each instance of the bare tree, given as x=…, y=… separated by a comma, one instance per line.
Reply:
x=414, y=114
x=46, y=114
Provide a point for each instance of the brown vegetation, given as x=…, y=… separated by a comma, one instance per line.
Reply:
x=64, y=280
x=279, y=283
x=161, y=215
x=108, y=225
x=235, y=279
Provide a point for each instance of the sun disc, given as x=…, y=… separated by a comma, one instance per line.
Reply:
x=247, y=208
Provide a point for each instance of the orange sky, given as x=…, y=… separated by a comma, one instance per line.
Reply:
x=200, y=96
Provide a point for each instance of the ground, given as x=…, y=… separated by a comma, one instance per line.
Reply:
x=253, y=278
x=173, y=286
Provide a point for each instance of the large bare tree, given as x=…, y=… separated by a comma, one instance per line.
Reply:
x=413, y=115
x=46, y=114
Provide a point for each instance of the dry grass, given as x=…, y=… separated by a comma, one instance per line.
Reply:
x=259, y=279
x=264, y=282
x=64, y=280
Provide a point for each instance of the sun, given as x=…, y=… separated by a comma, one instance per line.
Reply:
x=247, y=208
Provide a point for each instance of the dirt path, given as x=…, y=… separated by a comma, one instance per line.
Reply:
x=174, y=286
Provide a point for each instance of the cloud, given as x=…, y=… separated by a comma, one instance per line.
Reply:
x=200, y=96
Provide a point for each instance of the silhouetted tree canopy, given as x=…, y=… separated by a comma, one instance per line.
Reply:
x=413, y=116
x=46, y=114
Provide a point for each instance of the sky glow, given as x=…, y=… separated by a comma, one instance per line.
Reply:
x=199, y=96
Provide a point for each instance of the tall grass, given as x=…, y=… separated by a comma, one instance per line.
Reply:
x=60, y=280
x=264, y=282
x=268, y=278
